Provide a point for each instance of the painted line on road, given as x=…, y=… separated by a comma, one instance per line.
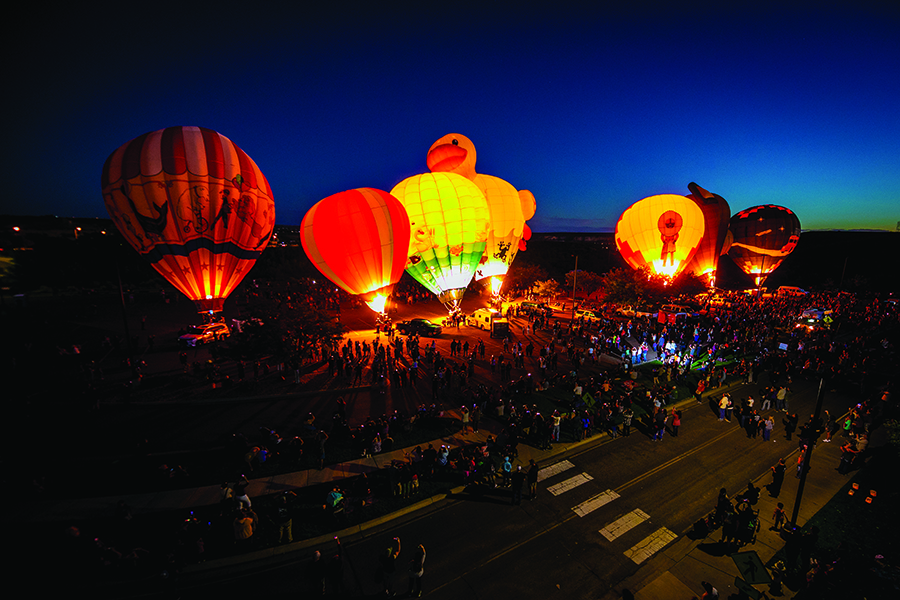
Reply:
x=568, y=484
x=592, y=504
x=623, y=525
x=650, y=545
x=548, y=472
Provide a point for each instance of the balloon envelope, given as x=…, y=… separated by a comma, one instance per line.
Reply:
x=762, y=237
x=662, y=232
x=358, y=239
x=509, y=208
x=716, y=214
x=194, y=204
x=449, y=223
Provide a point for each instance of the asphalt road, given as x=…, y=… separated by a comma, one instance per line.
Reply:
x=481, y=547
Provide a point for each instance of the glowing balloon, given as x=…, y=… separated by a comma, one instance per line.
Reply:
x=358, y=239
x=763, y=236
x=194, y=205
x=662, y=232
x=449, y=221
x=509, y=208
x=716, y=214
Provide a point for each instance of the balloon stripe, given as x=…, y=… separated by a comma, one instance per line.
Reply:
x=172, y=151
x=131, y=159
x=248, y=169
x=212, y=147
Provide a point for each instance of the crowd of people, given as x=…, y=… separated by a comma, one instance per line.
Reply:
x=752, y=342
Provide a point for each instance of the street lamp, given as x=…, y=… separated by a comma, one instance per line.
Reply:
x=574, y=288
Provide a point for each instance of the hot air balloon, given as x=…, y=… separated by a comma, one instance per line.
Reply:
x=455, y=153
x=449, y=223
x=193, y=204
x=359, y=240
x=763, y=236
x=716, y=214
x=662, y=232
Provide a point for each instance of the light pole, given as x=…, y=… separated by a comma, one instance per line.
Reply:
x=574, y=287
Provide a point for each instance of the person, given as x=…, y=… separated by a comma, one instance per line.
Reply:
x=769, y=426
x=709, y=593
x=507, y=471
x=283, y=519
x=790, y=424
x=829, y=426
x=387, y=565
x=245, y=523
x=777, y=478
x=518, y=482
x=723, y=404
x=676, y=422
x=627, y=416
x=465, y=419
x=239, y=491
x=321, y=438
x=848, y=455
x=779, y=516
x=416, y=571
x=532, y=479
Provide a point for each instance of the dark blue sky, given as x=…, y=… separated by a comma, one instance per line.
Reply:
x=591, y=110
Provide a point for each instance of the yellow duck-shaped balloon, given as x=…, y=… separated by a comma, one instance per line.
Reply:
x=509, y=208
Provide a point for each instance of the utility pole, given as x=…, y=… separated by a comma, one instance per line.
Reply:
x=807, y=454
x=574, y=287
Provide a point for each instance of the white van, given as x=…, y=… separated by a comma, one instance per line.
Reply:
x=483, y=318
x=791, y=290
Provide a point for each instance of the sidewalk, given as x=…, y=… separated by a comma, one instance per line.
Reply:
x=678, y=570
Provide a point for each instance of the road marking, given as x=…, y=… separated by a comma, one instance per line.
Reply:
x=548, y=472
x=624, y=524
x=601, y=499
x=650, y=545
x=568, y=484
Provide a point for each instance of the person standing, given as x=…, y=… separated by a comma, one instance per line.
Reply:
x=627, y=416
x=387, y=565
x=416, y=571
x=769, y=427
x=321, y=438
x=507, y=471
x=829, y=426
x=676, y=422
x=465, y=419
x=777, y=478
x=723, y=404
x=779, y=515
x=532, y=479
x=518, y=482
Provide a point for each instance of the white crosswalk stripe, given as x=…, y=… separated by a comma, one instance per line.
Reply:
x=568, y=484
x=650, y=545
x=548, y=472
x=624, y=524
x=592, y=504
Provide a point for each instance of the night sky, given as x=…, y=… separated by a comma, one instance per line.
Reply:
x=591, y=111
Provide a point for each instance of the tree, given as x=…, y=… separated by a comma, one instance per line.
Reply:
x=289, y=329
x=545, y=289
x=626, y=286
x=523, y=275
x=586, y=283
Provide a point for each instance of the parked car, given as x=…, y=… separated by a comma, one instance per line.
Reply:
x=588, y=315
x=422, y=327
x=204, y=334
x=534, y=306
